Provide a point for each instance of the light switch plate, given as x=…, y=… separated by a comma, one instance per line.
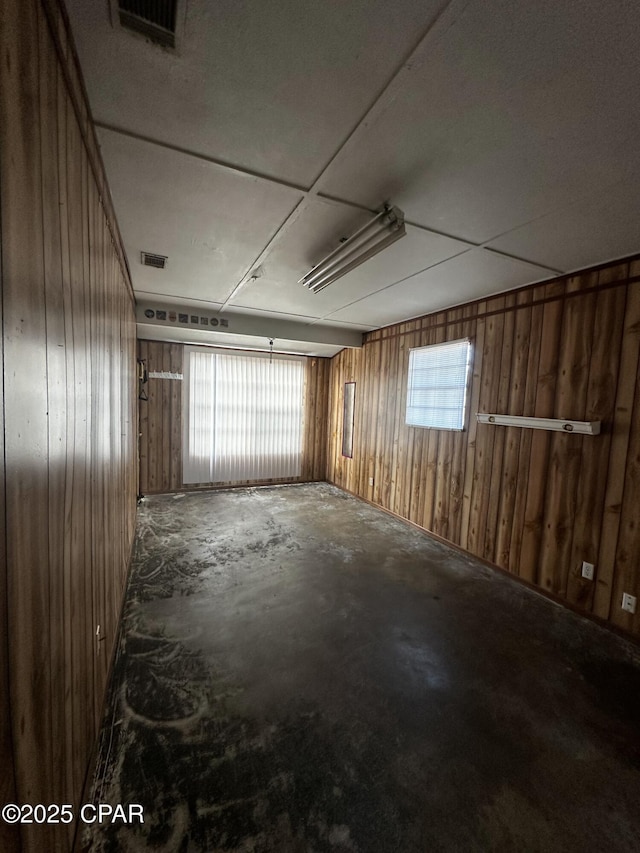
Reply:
x=588, y=570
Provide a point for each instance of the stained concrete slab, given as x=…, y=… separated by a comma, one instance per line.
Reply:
x=298, y=671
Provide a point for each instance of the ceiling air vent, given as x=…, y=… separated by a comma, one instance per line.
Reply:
x=151, y=260
x=155, y=19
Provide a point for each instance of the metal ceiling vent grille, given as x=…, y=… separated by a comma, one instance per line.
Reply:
x=155, y=19
x=159, y=262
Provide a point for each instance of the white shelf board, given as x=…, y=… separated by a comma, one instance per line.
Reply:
x=556, y=424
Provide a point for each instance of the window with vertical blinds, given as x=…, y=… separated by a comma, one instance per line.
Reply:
x=243, y=417
x=437, y=385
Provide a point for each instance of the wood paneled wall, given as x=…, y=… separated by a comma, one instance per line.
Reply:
x=69, y=417
x=161, y=422
x=9, y=835
x=533, y=502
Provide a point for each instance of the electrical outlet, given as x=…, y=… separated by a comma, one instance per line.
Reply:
x=371, y=481
x=628, y=602
x=587, y=570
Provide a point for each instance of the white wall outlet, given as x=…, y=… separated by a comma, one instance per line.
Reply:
x=371, y=481
x=628, y=602
x=587, y=570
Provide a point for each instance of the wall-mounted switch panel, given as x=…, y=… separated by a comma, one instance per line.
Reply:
x=587, y=570
x=628, y=602
x=371, y=481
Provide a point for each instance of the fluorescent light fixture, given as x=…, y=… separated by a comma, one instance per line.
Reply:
x=383, y=230
x=555, y=424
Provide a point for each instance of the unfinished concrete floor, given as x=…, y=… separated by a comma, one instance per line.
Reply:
x=298, y=671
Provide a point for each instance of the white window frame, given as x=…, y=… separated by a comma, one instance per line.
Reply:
x=412, y=406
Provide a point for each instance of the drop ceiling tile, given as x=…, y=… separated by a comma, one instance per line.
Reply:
x=517, y=109
x=598, y=229
x=211, y=223
x=470, y=276
x=274, y=87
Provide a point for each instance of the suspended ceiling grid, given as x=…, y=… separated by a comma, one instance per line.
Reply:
x=506, y=132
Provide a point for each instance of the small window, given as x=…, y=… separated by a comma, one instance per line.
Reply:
x=437, y=385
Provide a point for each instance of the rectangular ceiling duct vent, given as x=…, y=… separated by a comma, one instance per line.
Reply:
x=159, y=262
x=155, y=19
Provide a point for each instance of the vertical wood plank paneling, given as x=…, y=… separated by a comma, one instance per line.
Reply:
x=166, y=415
x=9, y=838
x=616, y=493
x=442, y=491
x=524, y=455
x=332, y=428
x=26, y=427
x=458, y=466
x=627, y=574
x=396, y=480
x=467, y=537
x=95, y=520
x=620, y=435
x=175, y=439
x=431, y=457
x=565, y=450
x=143, y=406
x=154, y=424
x=56, y=393
x=386, y=447
x=483, y=460
x=511, y=453
x=533, y=502
x=309, y=422
x=541, y=440
x=497, y=451
x=68, y=330
x=600, y=405
x=90, y=434
x=318, y=449
x=69, y=456
x=82, y=707
x=374, y=356
x=9, y=833
x=409, y=450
